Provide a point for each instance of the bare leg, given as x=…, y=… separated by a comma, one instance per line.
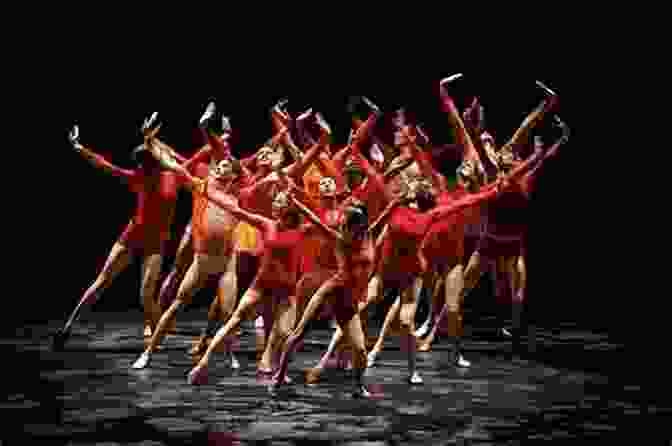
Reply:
x=285, y=318
x=119, y=259
x=354, y=335
x=195, y=279
x=247, y=305
x=297, y=334
x=151, y=269
x=435, y=285
x=183, y=259
x=221, y=307
x=409, y=304
x=392, y=314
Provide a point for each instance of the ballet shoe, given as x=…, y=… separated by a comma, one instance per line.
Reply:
x=371, y=358
x=461, y=362
x=361, y=392
x=198, y=376
x=142, y=361
x=415, y=379
x=235, y=364
x=148, y=331
x=312, y=375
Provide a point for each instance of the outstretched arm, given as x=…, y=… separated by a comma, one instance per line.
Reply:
x=534, y=118
x=444, y=211
x=97, y=160
x=449, y=107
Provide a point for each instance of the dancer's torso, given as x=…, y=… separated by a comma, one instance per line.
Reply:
x=156, y=199
x=406, y=229
x=281, y=258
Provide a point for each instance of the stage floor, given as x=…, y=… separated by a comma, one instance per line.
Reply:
x=568, y=392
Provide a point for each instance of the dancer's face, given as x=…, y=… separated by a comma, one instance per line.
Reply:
x=327, y=186
x=506, y=159
x=265, y=157
x=223, y=170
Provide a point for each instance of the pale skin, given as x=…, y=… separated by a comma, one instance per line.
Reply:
x=221, y=263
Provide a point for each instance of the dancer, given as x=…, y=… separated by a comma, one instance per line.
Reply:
x=502, y=238
x=144, y=237
x=213, y=249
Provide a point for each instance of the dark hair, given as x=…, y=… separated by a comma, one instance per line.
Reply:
x=294, y=217
x=425, y=200
x=236, y=166
x=356, y=218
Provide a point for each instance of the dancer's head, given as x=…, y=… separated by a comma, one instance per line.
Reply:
x=327, y=187
x=356, y=220
x=468, y=175
x=506, y=159
x=267, y=157
x=283, y=210
x=226, y=169
x=354, y=175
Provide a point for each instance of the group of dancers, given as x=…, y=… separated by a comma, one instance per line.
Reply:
x=327, y=233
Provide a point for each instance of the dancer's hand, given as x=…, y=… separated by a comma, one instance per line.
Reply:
x=148, y=123
x=226, y=125
x=547, y=90
x=73, y=137
x=207, y=115
x=374, y=108
x=305, y=115
x=447, y=80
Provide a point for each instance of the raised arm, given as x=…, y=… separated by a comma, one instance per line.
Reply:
x=426, y=166
x=553, y=150
x=531, y=121
x=97, y=160
x=315, y=219
x=449, y=107
x=373, y=177
x=298, y=168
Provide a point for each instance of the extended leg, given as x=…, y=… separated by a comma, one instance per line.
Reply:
x=119, y=259
x=409, y=304
x=183, y=259
x=392, y=314
x=247, y=305
x=193, y=281
x=151, y=269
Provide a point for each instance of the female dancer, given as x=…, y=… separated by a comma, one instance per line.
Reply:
x=145, y=235
x=213, y=247
x=502, y=238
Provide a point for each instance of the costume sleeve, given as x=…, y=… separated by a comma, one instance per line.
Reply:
x=444, y=211
x=100, y=162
